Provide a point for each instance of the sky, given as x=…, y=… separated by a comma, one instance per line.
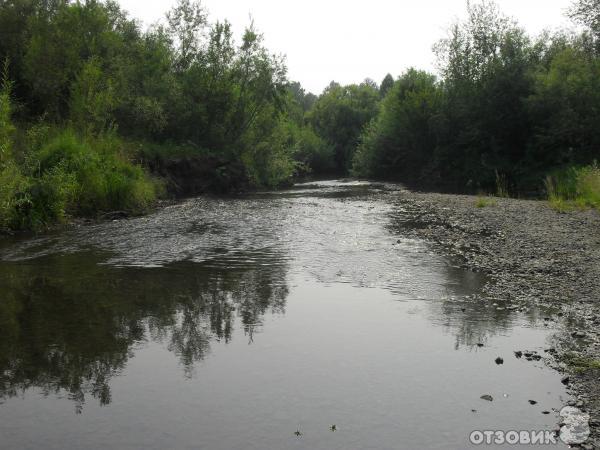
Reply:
x=348, y=40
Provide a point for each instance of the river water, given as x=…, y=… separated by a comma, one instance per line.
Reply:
x=259, y=322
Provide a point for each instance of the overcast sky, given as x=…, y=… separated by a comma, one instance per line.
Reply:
x=348, y=41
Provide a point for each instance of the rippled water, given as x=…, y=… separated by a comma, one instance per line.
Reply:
x=232, y=323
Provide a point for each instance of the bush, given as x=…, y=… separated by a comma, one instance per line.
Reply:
x=46, y=200
x=13, y=195
x=574, y=186
x=70, y=175
x=588, y=186
x=312, y=152
x=105, y=180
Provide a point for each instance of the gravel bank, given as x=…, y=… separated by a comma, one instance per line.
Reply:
x=533, y=255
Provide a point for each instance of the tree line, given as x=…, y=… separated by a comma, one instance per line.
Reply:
x=507, y=108
x=92, y=105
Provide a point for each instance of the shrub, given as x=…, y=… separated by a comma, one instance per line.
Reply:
x=71, y=175
x=13, y=195
x=574, y=187
x=483, y=202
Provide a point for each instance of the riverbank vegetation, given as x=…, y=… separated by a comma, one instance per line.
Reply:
x=91, y=104
x=574, y=187
x=506, y=105
x=98, y=114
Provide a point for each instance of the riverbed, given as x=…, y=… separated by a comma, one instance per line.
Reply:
x=313, y=317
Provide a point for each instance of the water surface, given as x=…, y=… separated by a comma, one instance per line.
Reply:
x=232, y=323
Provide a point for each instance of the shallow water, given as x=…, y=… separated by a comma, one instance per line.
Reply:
x=233, y=323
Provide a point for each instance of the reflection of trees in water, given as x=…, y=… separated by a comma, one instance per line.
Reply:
x=474, y=319
x=69, y=324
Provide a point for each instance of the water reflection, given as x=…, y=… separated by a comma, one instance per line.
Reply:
x=70, y=324
x=371, y=320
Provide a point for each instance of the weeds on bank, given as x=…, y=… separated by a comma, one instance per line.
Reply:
x=484, y=202
x=574, y=188
x=580, y=364
x=501, y=186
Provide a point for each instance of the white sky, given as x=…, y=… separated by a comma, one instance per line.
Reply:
x=348, y=40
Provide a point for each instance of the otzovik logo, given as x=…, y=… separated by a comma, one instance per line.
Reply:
x=574, y=430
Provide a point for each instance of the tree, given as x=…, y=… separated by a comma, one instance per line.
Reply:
x=399, y=143
x=386, y=85
x=339, y=116
x=587, y=12
x=186, y=22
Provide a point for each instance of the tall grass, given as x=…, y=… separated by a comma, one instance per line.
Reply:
x=575, y=187
x=63, y=174
x=59, y=173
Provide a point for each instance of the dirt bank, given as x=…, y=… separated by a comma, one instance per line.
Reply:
x=532, y=254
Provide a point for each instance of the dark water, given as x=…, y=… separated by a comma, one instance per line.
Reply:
x=232, y=323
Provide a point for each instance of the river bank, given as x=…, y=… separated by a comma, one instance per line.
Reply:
x=533, y=256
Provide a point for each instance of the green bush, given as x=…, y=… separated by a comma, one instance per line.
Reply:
x=588, y=186
x=46, y=200
x=312, y=152
x=105, y=179
x=13, y=195
x=574, y=186
x=69, y=175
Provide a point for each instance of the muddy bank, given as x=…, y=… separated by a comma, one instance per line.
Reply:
x=533, y=255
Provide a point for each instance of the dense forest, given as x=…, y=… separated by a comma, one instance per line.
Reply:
x=99, y=114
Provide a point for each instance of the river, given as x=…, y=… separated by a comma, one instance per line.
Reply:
x=299, y=319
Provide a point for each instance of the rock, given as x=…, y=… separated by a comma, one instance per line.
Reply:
x=115, y=215
x=565, y=380
x=487, y=397
x=532, y=402
x=578, y=334
x=546, y=412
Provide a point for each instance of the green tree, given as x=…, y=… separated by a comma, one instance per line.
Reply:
x=340, y=114
x=386, y=85
x=400, y=142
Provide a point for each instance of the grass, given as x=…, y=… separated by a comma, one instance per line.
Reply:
x=574, y=188
x=580, y=364
x=501, y=186
x=484, y=202
x=63, y=174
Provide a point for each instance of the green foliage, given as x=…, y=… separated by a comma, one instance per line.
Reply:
x=587, y=12
x=386, y=85
x=311, y=151
x=6, y=127
x=13, y=189
x=580, y=364
x=402, y=137
x=340, y=114
x=574, y=187
x=506, y=112
x=105, y=180
x=183, y=89
x=564, y=110
x=484, y=202
x=92, y=99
